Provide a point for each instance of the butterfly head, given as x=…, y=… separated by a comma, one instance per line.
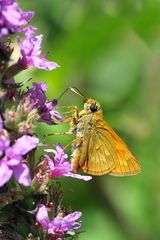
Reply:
x=92, y=106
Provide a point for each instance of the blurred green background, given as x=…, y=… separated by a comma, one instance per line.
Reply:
x=110, y=50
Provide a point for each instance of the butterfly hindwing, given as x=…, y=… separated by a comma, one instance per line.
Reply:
x=107, y=153
x=125, y=163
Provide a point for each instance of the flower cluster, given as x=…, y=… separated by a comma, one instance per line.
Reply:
x=37, y=99
x=12, y=17
x=60, y=224
x=30, y=51
x=13, y=20
x=27, y=180
x=59, y=165
x=12, y=161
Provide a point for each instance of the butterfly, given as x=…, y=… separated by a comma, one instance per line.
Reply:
x=97, y=149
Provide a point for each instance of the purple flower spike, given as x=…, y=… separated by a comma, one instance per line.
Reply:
x=60, y=166
x=31, y=49
x=59, y=224
x=12, y=17
x=11, y=163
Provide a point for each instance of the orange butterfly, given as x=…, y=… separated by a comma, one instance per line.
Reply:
x=97, y=149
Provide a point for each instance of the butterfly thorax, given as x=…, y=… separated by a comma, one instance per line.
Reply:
x=88, y=117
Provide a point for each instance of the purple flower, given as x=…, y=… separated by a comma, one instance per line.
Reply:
x=12, y=17
x=59, y=224
x=31, y=49
x=11, y=163
x=4, y=139
x=37, y=94
x=47, y=112
x=38, y=100
x=60, y=166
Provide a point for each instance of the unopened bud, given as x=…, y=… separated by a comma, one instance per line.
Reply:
x=25, y=127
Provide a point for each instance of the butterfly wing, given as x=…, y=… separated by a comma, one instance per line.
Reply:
x=125, y=162
x=107, y=153
x=97, y=155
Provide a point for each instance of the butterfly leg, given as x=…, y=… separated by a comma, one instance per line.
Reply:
x=58, y=134
x=73, y=110
x=73, y=116
x=72, y=119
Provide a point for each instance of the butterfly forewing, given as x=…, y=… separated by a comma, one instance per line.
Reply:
x=125, y=163
x=100, y=155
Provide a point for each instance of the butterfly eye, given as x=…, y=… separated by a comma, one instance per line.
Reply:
x=94, y=107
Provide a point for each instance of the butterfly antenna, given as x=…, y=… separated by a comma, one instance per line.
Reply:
x=75, y=90
x=63, y=93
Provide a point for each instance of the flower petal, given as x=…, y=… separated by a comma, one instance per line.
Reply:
x=42, y=63
x=56, y=114
x=25, y=144
x=73, y=216
x=78, y=176
x=5, y=173
x=42, y=216
x=22, y=174
x=50, y=150
x=12, y=158
x=50, y=163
